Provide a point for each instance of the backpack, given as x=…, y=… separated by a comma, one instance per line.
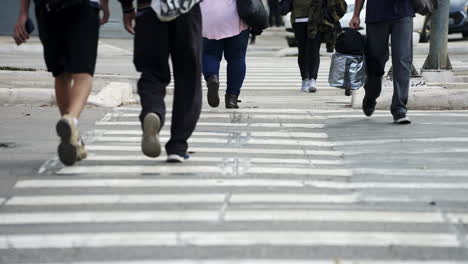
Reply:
x=168, y=10
x=425, y=7
x=351, y=42
x=254, y=13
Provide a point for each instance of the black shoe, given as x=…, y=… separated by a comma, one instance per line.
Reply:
x=401, y=119
x=368, y=106
x=212, y=82
x=231, y=101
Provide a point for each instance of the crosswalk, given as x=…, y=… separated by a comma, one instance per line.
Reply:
x=264, y=185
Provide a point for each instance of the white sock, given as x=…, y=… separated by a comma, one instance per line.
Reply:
x=75, y=121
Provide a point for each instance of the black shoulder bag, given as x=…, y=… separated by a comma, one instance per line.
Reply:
x=254, y=13
x=425, y=7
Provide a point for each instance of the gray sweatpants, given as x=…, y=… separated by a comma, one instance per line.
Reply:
x=377, y=55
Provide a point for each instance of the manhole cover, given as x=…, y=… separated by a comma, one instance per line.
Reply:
x=7, y=145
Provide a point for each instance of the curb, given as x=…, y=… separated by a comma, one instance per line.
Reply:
x=420, y=98
x=113, y=95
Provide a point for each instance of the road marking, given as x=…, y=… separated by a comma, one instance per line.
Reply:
x=215, y=124
x=293, y=198
x=227, y=150
x=160, y=169
x=410, y=151
x=271, y=238
x=114, y=199
x=269, y=261
x=405, y=140
x=412, y=172
x=385, y=185
x=86, y=217
x=251, y=141
x=180, y=182
x=94, y=157
x=222, y=134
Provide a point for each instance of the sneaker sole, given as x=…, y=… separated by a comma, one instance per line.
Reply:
x=150, y=144
x=67, y=151
x=213, y=94
x=402, y=121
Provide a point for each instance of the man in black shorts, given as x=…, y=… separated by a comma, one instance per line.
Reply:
x=69, y=32
x=167, y=28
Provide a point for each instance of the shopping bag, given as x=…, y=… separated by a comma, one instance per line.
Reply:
x=168, y=10
x=347, y=72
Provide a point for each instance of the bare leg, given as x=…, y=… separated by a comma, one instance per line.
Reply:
x=82, y=84
x=63, y=87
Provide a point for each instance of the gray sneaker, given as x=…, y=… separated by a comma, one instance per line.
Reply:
x=312, y=86
x=150, y=144
x=70, y=148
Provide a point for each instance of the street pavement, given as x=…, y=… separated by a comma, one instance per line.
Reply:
x=290, y=178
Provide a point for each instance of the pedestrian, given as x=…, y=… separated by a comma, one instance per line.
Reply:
x=224, y=32
x=69, y=32
x=162, y=31
x=276, y=20
x=314, y=22
x=385, y=18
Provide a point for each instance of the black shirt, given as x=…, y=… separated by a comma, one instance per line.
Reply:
x=388, y=10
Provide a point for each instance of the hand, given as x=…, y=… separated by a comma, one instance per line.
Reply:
x=355, y=22
x=105, y=14
x=20, y=34
x=129, y=21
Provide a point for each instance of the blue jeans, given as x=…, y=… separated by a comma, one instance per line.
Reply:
x=235, y=49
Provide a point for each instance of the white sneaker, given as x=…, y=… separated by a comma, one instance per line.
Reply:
x=305, y=85
x=312, y=86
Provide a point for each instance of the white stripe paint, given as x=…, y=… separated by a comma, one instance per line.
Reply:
x=146, y=183
x=271, y=238
x=230, y=216
x=221, y=134
x=222, y=160
x=412, y=172
x=160, y=169
x=215, y=124
x=114, y=199
x=166, y=169
x=387, y=185
x=297, y=116
x=227, y=150
x=252, y=141
x=405, y=140
x=268, y=261
x=293, y=198
x=115, y=183
x=421, y=151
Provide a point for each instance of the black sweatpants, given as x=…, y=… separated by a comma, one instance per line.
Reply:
x=309, y=52
x=155, y=41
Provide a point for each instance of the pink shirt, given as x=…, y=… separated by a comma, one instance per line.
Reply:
x=220, y=19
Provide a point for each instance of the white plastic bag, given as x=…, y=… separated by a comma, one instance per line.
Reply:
x=347, y=71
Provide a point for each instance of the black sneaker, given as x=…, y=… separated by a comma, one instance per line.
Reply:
x=401, y=119
x=368, y=106
x=212, y=83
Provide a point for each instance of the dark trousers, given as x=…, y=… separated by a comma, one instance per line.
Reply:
x=309, y=52
x=235, y=49
x=154, y=42
x=378, y=34
x=276, y=20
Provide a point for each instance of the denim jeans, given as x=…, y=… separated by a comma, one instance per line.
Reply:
x=234, y=49
x=377, y=55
